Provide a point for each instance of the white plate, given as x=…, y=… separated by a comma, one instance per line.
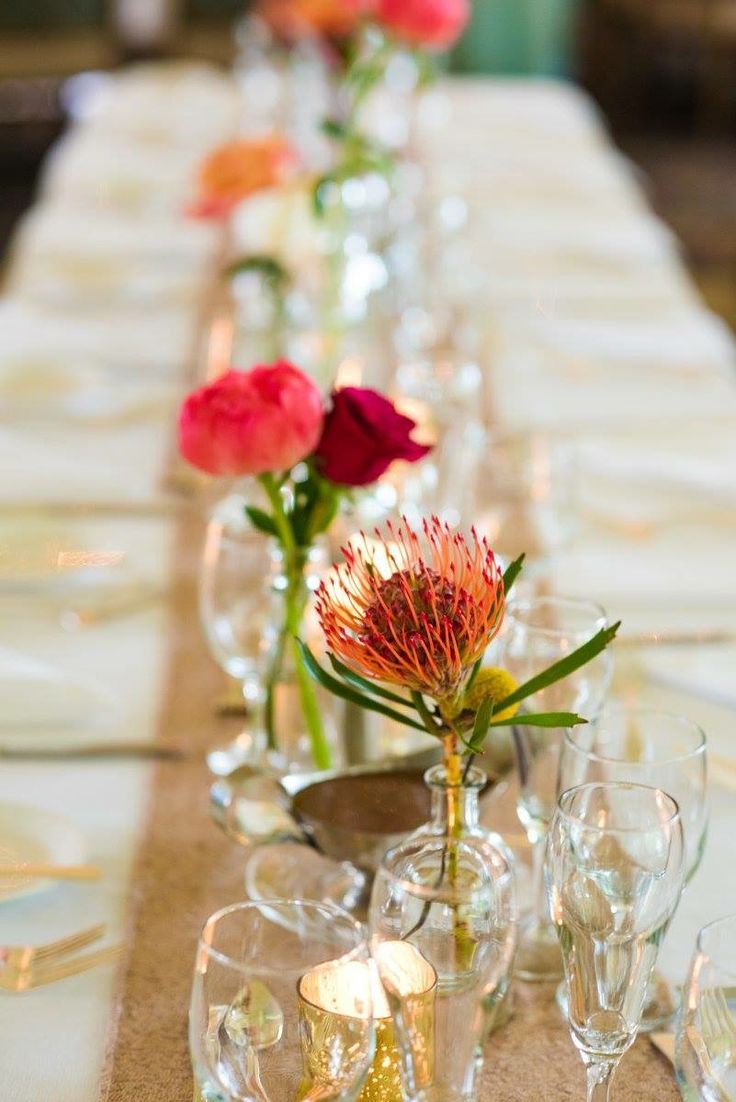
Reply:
x=49, y=704
x=31, y=835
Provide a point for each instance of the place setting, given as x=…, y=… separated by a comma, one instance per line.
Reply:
x=365, y=554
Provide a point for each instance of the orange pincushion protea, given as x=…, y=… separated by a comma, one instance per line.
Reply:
x=413, y=612
x=296, y=18
x=238, y=169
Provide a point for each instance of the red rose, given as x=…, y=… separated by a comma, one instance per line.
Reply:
x=362, y=435
x=250, y=422
x=435, y=24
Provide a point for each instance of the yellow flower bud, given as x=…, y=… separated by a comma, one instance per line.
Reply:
x=494, y=683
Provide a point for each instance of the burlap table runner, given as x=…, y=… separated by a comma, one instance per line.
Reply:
x=186, y=869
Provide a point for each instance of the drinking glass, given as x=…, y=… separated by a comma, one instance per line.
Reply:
x=614, y=872
x=451, y=904
x=538, y=632
x=234, y=610
x=706, y=1034
x=653, y=748
x=253, y=1035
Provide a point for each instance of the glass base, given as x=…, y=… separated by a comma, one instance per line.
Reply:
x=659, y=1009
x=290, y=871
x=247, y=749
x=538, y=956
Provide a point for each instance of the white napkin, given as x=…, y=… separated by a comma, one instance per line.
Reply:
x=707, y=671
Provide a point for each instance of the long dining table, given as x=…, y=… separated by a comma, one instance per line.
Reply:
x=591, y=329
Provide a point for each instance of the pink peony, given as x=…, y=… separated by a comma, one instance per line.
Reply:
x=363, y=434
x=434, y=24
x=251, y=422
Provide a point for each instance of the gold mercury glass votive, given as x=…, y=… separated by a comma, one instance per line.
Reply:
x=330, y=998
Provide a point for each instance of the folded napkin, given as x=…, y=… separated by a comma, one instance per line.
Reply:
x=706, y=671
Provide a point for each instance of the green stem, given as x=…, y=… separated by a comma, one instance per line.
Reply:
x=295, y=599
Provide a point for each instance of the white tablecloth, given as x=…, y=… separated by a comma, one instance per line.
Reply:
x=593, y=323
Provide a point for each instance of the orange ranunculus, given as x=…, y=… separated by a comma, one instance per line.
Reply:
x=237, y=169
x=292, y=19
x=413, y=609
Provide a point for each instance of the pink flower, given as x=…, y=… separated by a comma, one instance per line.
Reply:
x=434, y=24
x=363, y=434
x=251, y=422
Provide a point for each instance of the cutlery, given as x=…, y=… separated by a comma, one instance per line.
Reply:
x=706, y=636
x=50, y=872
x=15, y=982
x=118, y=605
x=20, y=957
x=152, y=750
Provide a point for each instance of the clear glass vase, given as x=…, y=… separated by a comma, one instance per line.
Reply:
x=243, y=590
x=456, y=814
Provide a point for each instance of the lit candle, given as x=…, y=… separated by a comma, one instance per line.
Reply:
x=331, y=997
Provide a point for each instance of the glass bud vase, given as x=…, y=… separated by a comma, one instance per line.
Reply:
x=288, y=739
x=456, y=815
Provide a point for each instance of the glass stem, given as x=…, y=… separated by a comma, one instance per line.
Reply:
x=600, y=1077
x=539, y=897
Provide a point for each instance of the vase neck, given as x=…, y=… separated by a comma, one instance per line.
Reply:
x=463, y=799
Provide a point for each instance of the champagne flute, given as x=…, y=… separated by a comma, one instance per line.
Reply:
x=706, y=1035
x=541, y=631
x=614, y=874
x=256, y=1033
x=653, y=748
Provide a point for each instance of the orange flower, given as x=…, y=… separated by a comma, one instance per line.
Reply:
x=292, y=19
x=238, y=169
x=416, y=610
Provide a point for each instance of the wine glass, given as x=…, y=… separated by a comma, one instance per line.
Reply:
x=538, y=632
x=706, y=1035
x=281, y=1004
x=442, y=924
x=654, y=748
x=614, y=873
x=234, y=608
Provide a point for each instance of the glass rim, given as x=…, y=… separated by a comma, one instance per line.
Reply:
x=705, y=931
x=695, y=728
x=600, y=618
x=671, y=819
x=204, y=946
x=426, y=892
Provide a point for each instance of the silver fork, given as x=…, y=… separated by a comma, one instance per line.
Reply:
x=15, y=983
x=19, y=958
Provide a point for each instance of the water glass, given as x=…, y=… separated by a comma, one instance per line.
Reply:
x=252, y=1036
x=452, y=902
x=653, y=748
x=706, y=1033
x=614, y=873
x=539, y=632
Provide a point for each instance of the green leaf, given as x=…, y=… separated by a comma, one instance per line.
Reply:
x=427, y=717
x=480, y=725
x=333, y=128
x=511, y=573
x=267, y=266
x=337, y=688
x=364, y=684
x=540, y=719
x=567, y=665
x=261, y=520
x=474, y=673
x=319, y=193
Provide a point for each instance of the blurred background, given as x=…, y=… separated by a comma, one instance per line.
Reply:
x=662, y=72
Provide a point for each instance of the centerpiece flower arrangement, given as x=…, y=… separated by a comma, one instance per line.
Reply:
x=415, y=612
x=308, y=455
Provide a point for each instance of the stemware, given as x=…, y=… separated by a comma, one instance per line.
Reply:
x=234, y=605
x=653, y=748
x=452, y=901
x=614, y=873
x=706, y=1035
x=254, y=1036
x=541, y=631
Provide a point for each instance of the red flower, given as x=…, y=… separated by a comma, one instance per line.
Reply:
x=434, y=24
x=250, y=422
x=363, y=434
x=413, y=612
